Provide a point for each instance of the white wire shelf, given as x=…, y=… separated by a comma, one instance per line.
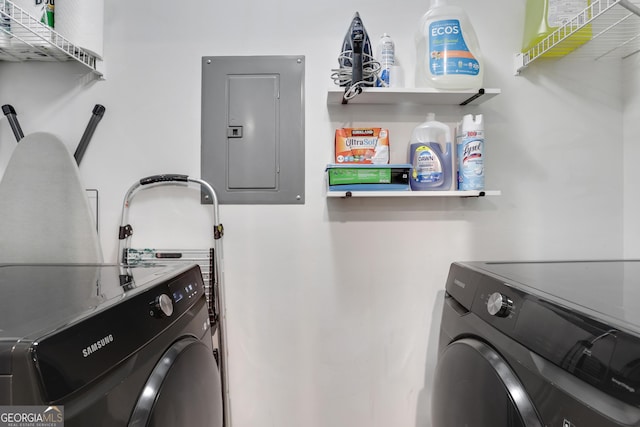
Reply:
x=605, y=29
x=24, y=38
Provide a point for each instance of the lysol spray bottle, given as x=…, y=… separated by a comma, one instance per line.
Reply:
x=470, y=151
x=385, y=54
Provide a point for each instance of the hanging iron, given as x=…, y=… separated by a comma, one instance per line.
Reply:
x=358, y=67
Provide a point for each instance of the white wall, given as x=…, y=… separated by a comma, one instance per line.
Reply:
x=631, y=152
x=333, y=306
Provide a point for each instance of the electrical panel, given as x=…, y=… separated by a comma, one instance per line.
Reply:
x=253, y=128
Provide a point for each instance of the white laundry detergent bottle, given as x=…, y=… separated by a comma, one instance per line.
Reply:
x=430, y=156
x=448, y=52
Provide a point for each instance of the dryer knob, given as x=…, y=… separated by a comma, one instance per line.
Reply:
x=163, y=306
x=499, y=305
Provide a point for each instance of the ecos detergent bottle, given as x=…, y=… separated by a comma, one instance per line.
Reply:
x=430, y=156
x=448, y=52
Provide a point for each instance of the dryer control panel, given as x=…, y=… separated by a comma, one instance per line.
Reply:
x=73, y=356
x=489, y=298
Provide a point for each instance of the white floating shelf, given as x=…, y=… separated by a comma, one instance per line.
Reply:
x=604, y=29
x=420, y=96
x=350, y=194
x=24, y=38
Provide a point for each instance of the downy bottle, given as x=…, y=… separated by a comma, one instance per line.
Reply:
x=448, y=52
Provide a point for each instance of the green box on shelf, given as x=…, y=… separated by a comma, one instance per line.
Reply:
x=368, y=177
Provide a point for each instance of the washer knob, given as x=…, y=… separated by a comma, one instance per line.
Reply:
x=499, y=305
x=163, y=305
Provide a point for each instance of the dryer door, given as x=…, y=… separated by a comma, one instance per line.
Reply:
x=183, y=389
x=474, y=386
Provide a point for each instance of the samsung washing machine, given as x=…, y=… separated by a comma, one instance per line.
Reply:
x=533, y=344
x=107, y=346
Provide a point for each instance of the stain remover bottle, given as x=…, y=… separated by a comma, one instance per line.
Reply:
x=448, y=52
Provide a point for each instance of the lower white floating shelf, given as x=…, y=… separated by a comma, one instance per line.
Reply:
x=467, y=193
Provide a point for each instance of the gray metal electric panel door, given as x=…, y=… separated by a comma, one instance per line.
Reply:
x=253, y=128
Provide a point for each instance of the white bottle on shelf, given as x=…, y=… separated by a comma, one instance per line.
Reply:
x=448, y=52
x=385, y=54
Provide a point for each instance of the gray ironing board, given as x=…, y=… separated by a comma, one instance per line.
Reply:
x=44, y=212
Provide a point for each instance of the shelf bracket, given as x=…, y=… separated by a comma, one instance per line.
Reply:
x=480, y=194
x=474, y=97
x=520, y=62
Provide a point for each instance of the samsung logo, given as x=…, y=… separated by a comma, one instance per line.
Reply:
x=459, y=283
x=97, y=345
